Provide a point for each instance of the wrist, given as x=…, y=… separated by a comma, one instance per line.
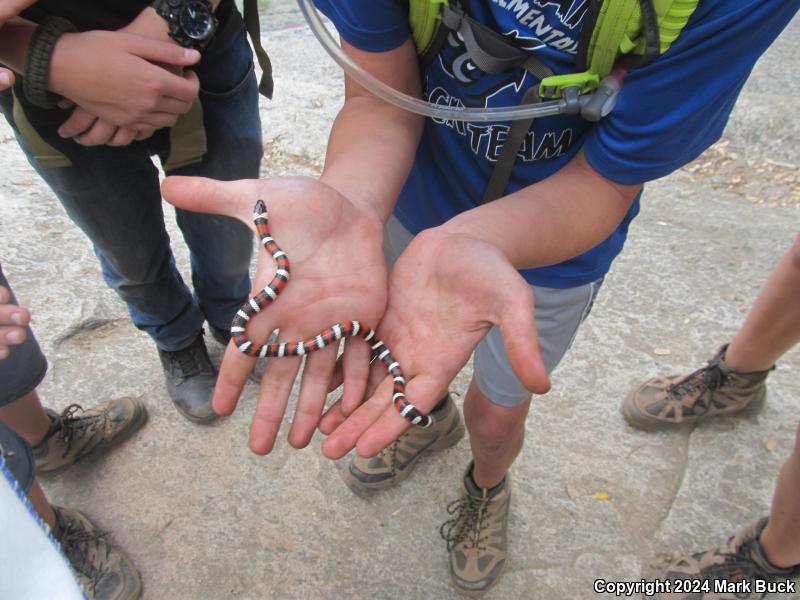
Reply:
x=36, y=77
x=149, y=24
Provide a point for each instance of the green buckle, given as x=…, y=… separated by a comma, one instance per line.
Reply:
x=551, y=87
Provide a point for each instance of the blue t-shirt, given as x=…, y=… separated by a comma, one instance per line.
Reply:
x=667, y=114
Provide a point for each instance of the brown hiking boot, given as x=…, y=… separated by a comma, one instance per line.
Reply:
x=102, y=569
x=77, y=433
x=716, y=389
x=477, y=536
x=397, y=461
x=737, y=569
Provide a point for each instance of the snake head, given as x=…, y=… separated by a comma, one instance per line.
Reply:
x=261, y=208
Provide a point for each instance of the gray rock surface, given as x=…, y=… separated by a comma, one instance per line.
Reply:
x=204, y=518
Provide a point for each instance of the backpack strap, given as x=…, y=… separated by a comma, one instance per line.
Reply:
x=494, y=53
x=253, y=26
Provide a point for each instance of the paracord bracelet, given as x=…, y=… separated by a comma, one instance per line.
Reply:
x=37, y=63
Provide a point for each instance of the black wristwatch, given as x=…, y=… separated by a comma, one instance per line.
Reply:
x=191, y=22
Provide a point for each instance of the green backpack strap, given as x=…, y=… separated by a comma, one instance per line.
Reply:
x=644, y=28
x=424, y=17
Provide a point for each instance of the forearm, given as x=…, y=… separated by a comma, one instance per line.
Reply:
x=370, y=152
x=551, y=221
x=372, y=143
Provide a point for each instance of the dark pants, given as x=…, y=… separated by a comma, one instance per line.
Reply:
x=113, y=195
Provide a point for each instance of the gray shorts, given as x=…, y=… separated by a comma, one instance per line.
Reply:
x=559, y=313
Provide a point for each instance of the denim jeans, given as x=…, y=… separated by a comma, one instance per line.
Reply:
x=113, y=195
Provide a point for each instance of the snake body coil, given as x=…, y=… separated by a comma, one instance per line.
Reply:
x=331, y=335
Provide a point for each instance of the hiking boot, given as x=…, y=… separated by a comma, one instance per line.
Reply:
x=739, y=561
x=477, y=535
x=397, y=461
x=102, y=569
x=77, y=433
x=190, y=380
x=716, y=389
x=223, y=336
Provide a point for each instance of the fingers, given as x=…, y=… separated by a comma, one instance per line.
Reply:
x=78, y=122
x=100, y=134
x=123, y=137
x=276, y=385
x=423, y=391
x=313, y=391
x=344, y=438
x=13, y=319
x=231, y=198
x=232, y=376
x=355, y=374
x=144, y=133
x=6, y=78
x=156, y=51
x=518, y=328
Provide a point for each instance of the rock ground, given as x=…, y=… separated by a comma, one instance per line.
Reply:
x=204, y=518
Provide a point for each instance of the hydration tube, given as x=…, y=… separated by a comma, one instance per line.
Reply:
x=415, y=105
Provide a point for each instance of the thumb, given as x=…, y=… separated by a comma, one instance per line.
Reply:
x=199, y=194
x=518, y=328
x=157, y=51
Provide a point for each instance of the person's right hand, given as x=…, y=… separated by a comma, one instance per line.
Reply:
x=112, y=76
x=13, y=319
x=338, y=273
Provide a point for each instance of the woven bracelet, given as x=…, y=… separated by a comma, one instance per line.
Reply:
x=37, y=63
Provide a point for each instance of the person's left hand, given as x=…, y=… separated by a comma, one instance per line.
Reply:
x=445, y=293
x=338, y=273
x=13, y=319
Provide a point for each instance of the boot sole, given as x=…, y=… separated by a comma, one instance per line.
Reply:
x=646, y=423
x=359, y=487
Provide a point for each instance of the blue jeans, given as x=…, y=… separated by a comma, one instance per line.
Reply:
x=113, y=195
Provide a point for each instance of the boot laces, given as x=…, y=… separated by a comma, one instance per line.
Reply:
x=77, y=545
x=190, y=361
x=69, y=425
x=468, y=522
x=709, y=377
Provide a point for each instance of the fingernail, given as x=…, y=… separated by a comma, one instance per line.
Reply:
x=17, y=318
x=14, y=337
x=5, y=79
x=190, y=54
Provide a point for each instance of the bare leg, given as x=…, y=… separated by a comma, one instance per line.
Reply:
x=496, y=435
x=781, y=537
x=27, y=418
x=773, y=323
x=41, y=504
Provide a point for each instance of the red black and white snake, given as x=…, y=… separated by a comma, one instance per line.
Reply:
x=331, y=335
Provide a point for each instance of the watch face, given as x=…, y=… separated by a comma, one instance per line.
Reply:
x=196, y=20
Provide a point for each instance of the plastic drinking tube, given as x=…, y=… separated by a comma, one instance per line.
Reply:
x=415, y=105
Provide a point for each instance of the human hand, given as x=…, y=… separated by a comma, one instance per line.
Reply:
x=445, y=293
x=91, y=131
x=111, y=75
x=338, y=274
x=13, y=319
x=11, y=8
